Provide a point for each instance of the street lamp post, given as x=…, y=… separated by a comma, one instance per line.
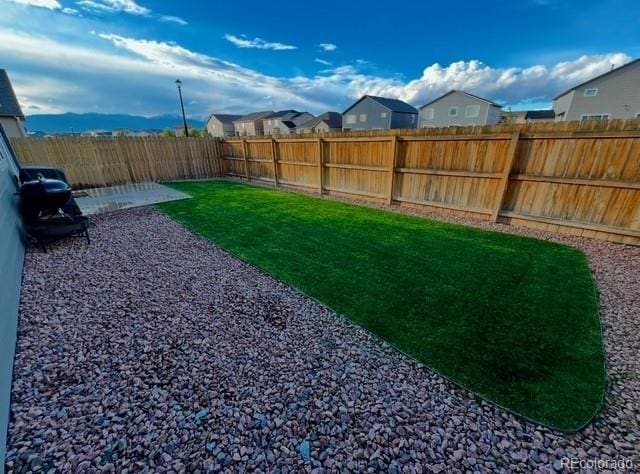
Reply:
x=184, y=118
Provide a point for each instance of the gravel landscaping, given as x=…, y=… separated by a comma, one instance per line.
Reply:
x=152, y=350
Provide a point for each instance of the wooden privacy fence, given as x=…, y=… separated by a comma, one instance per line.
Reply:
x=577, y=179
x=572, y=178
x=106, y=161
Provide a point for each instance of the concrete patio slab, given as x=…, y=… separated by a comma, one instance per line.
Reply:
x=113, y=198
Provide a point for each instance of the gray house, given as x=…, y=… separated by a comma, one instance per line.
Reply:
x=11, y=117
x=325, y=123
x=221, y=125
x=459, y=108
x=285, y=122
x=251, y=124
x=379, y=113
x=613, y=95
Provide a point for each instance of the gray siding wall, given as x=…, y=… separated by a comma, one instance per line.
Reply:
x=216, y=128
x=561, y=106
x=249, y=129
x=375, y=117
x=275, y=125
x=488, y=114
x=13, y=126
x=399, y=120
x=11, y=260
x=618, y=95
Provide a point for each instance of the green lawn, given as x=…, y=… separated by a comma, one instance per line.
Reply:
x=512, y=319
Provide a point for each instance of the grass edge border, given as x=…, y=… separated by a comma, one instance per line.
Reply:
x=379, y=339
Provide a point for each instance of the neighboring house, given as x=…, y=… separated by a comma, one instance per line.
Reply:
x=251, y=124
x=528, y=116
x=11, y=117
x=535, y=116
x=284, y=122
x=459, y=108
x=379, y=113
x=613, y=95
x=221, y=125
x=325, y=123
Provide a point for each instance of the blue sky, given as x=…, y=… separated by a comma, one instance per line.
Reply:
x=122, y=56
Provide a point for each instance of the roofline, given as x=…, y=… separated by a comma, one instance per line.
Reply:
x=596, y=78
x=244, y=119
x=373, y=97
x=360, y=100
x=490, y=102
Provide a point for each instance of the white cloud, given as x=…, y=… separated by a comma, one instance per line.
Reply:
x=112, y=6
x=328, y=46
x=71, y=11
x=173, y=19
x=91, y=5
x=137, y=76
x=323, y=62
x=50, y=4
x=127, y=6
x=257, y=43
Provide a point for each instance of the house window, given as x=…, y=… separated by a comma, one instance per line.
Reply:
x=453, y=111
x=472, y=111
x=363, y=117
x=591, y=92
x=638, y=115
x=383, y=115
x=428, y=114
x=595, y=117
x=351, y=118
x=413, y=118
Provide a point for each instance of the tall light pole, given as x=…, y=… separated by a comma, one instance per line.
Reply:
x=184, y=118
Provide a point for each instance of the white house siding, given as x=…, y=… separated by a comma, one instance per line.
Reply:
x=618, y=96
x=487, y=115
x=11, y=259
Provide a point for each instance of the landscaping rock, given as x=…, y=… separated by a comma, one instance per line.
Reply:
x=152, y=350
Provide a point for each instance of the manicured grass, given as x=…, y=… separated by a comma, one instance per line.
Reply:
x=511, y=318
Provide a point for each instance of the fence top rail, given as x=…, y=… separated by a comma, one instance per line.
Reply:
x=454, y=137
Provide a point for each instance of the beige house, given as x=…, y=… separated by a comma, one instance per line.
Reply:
x=459, y=108
x=11, y=117
x=284, y=122
x=325, y=123
x=221, y=125
x=613, y=95
x=251, y=124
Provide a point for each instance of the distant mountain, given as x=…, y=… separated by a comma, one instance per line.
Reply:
x=70, y=122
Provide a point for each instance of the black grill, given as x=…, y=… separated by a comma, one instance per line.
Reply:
x=48, y=209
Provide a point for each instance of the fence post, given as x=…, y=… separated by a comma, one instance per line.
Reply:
x=274, y=159
x=392, y=167
x=245, y=155
x=506, y=172
x=320, y=166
